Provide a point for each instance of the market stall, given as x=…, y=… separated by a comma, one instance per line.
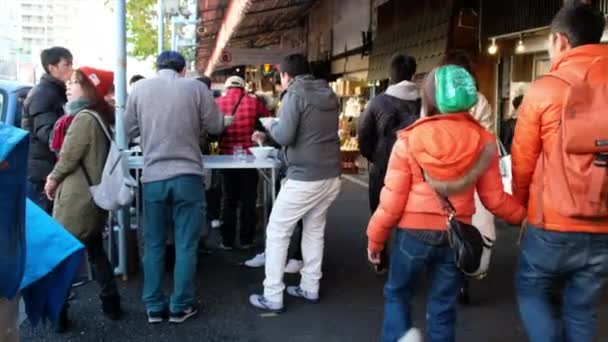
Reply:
x=353, y=100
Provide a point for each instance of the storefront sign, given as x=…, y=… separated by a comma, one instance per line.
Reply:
x=232, y=57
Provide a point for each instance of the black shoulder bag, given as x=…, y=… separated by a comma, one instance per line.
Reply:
x=238, y=103
x=471, y=251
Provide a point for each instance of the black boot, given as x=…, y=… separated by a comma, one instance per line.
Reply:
x=111, y=308
x=63, y=324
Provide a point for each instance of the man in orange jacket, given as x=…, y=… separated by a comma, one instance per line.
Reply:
x=561, y=247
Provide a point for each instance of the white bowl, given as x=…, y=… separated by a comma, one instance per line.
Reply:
x=261, y=152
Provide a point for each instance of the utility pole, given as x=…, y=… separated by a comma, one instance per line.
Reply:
x=120, y=86
x=161, y=26
x=173, y=34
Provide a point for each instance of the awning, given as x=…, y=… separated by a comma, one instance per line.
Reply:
x=264, y=24
x=232, y=57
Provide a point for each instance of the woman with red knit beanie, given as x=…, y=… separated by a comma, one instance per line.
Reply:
x=84, y=139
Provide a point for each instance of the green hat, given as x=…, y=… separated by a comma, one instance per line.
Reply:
x=455, y=89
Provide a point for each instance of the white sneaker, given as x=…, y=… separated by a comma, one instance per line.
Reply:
x=298, y=292
x=262, y=303
x=412, y=335
x=224, y=247
x=215, y=224
x=294, y=266
x=257, y=261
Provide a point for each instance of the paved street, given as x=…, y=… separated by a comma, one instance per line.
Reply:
x=350, y=308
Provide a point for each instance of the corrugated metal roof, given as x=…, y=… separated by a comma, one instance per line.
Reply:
x=424, y=37
x=263, y=24
x=509, y=16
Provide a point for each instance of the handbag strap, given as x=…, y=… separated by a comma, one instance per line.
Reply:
x=102, y=125
x=106, y=132
x=446, y=205
x=238, y=103
x=236, y=106
x=86, y=174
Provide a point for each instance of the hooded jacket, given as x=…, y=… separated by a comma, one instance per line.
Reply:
x=448, y=153
x=85, y=149
x=386, y=114
x=536, y=132
x=308, y=130
x=42, y=108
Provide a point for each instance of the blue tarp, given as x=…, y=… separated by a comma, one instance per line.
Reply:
x=53, y=257
x=38, y=258
x=13, y=151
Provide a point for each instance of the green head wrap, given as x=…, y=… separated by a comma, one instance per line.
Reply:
x=455, y=89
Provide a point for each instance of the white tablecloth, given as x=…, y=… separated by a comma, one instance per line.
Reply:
x=221, y=162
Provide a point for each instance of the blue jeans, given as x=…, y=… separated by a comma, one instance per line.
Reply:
x=183, y=199
x=409, y=258
x=578, y=262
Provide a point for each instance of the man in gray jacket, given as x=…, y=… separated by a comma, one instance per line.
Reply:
x=171, y=114
x=308, y=131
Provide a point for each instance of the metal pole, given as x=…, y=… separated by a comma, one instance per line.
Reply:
x=161, y=26
x=120, y=83
x=120, y=77
x=173, y=34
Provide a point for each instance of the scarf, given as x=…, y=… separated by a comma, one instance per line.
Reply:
x=61, y=126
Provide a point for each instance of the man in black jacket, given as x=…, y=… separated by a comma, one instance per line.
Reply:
x=42, y=107
x=386, y=114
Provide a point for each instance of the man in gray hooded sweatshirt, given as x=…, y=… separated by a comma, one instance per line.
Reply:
x=308, y=132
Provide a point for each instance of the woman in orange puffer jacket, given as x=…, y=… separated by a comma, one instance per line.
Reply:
x=448, y=153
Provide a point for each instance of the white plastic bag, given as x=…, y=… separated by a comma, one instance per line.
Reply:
x=505, y=168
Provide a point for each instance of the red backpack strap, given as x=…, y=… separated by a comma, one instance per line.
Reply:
x=595, y=61
x=572, y=77
x=568, y=76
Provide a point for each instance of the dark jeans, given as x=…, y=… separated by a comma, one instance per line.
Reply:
x=239, y=188
x=578, y=262
x=409, y=259
x=181, y=199
x=35, y=192
x=102, y=269
x=103, y=273
x=376, y=183
x=214, y=197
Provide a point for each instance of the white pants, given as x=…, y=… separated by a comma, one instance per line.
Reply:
x=297, y=200
x=9, y=317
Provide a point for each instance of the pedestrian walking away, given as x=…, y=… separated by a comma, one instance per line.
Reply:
x=417, y=175
x=386, y=114
x=559, y=159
